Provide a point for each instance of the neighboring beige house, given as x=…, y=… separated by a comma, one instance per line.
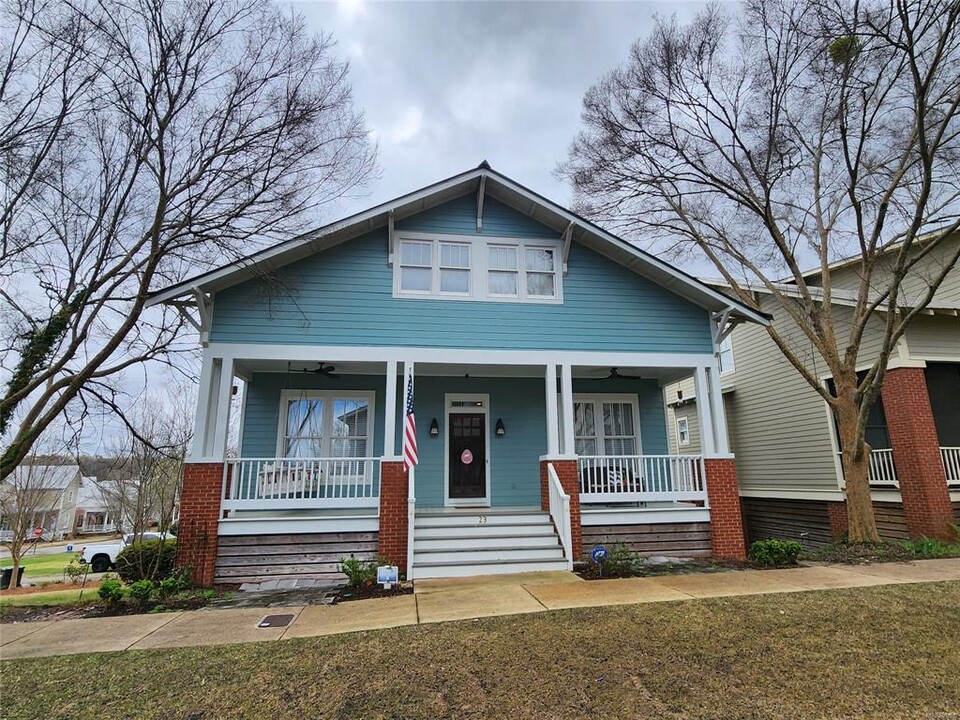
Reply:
x=55, y=509
x=783, y=435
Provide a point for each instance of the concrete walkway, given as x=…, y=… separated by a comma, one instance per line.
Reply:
x=441, y=601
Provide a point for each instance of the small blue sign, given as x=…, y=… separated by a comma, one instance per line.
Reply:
x=598, y=554
x=388, y=575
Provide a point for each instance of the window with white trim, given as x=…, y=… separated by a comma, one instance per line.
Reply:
x=683, y=431
x=322, y=424
x=606, y=425
x=726, y=355
x=480, y=268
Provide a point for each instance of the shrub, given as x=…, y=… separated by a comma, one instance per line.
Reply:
x=359, y=572
x=111, y=591
x=170, y=586
x=76, y=569
x=775, y=553
x=620, y=562
x=928, y=547
x=147, y=560
x=141, y=591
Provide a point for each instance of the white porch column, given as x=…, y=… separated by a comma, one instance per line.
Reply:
x=566, y=400
x=708, y=445
x=553, y=435
x=221, y=435
x=718, y=411
x=390, y=411
x=202, y=426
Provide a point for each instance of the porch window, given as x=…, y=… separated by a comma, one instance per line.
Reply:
x=606, y=425
x=318, y=424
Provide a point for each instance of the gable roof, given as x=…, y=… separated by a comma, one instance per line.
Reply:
x=46, y=477
x=496, y=185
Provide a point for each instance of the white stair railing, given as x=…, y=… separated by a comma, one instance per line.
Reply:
x=951, y=464
x=560, y=513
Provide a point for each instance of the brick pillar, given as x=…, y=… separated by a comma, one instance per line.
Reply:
x=570, y=481
x=726, y=517
x=199, y=516
x=916, y=454
x=837, y=515
x=392, y=538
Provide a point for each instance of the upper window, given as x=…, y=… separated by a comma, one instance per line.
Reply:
x=478, y=268
x=318, y=424
x=726, y=355
x=683, y=431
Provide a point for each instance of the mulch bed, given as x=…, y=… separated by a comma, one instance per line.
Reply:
x=592, y=571
x=94, y=608
x=49, y=587
x=345, y=594
x=865, y=553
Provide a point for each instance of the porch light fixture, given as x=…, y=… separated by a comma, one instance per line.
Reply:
x=434, y=428
x=501, y=430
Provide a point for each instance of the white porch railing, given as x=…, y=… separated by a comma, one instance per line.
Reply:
x=951, y=464
x=560, y=513
x=880, y=468
x=300, y=483
x=641, y=478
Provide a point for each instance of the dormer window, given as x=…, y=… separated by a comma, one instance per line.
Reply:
x=477, y=268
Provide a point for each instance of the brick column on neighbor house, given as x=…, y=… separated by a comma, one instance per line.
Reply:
x=199, y=518
x=837, y=516
x=392, y=537
x=726, y=516
x=569, y=477
x=916, y=454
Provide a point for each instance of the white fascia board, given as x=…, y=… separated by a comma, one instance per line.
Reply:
x=345, y=353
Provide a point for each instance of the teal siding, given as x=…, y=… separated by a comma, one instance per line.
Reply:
x=514, y=458
x=344, y=296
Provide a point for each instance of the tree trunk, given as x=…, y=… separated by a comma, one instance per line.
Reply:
x=861, y=522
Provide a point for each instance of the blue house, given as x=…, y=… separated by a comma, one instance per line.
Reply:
x=536, y=346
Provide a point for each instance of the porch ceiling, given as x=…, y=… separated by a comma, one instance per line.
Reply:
x=597, y=372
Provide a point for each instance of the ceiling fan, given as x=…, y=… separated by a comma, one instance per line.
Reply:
x=321, y=369
x=615, y=374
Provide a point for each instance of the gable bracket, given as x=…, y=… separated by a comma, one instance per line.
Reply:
x=390, y=238
x=567, y=241
x=184, y=308
x=481, y=188
x=723, y=326
x=205, y=310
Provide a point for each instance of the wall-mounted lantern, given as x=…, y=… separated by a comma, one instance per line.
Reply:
x=434, y=428
x=501, y=430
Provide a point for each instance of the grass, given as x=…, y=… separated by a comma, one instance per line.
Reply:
x=883, y=652
x=57, y=597
x=40, y=565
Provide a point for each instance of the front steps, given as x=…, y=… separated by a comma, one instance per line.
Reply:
x=484, y=541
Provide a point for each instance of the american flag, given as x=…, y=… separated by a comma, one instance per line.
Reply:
x=410, y=457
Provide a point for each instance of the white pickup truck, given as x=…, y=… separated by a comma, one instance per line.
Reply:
x=103, y=556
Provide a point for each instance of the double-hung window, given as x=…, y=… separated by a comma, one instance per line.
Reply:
x=477, y=268
x=726, y=355
x=683, y=431
x=606, y=425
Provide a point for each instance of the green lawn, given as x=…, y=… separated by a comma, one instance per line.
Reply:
x=884, y=652
x=40, y=565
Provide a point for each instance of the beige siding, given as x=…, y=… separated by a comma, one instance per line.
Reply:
x=778, y=424
x=934, y=337
x=688, y=411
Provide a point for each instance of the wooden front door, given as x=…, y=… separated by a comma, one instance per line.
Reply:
x=467, y=449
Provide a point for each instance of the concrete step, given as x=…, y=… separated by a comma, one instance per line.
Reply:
x=475, y=531
x=480, y=518
x=488, y=555
x=474, y=542
x=467, y=569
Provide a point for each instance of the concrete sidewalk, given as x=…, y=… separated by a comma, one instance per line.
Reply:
x=440, y=601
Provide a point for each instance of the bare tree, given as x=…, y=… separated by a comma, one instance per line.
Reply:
x=28, y=496
x=141, y=141
x=800, y=131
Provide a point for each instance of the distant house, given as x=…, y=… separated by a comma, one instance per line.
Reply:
x=784, y=436
x=54, y=491
x=537, y=346
x=97, y=509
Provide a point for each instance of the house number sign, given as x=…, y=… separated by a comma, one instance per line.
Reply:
x=466, y=457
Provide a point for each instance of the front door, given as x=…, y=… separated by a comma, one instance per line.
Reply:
x=468, y=456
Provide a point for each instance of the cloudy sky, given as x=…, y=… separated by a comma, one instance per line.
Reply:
x=446, y=85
